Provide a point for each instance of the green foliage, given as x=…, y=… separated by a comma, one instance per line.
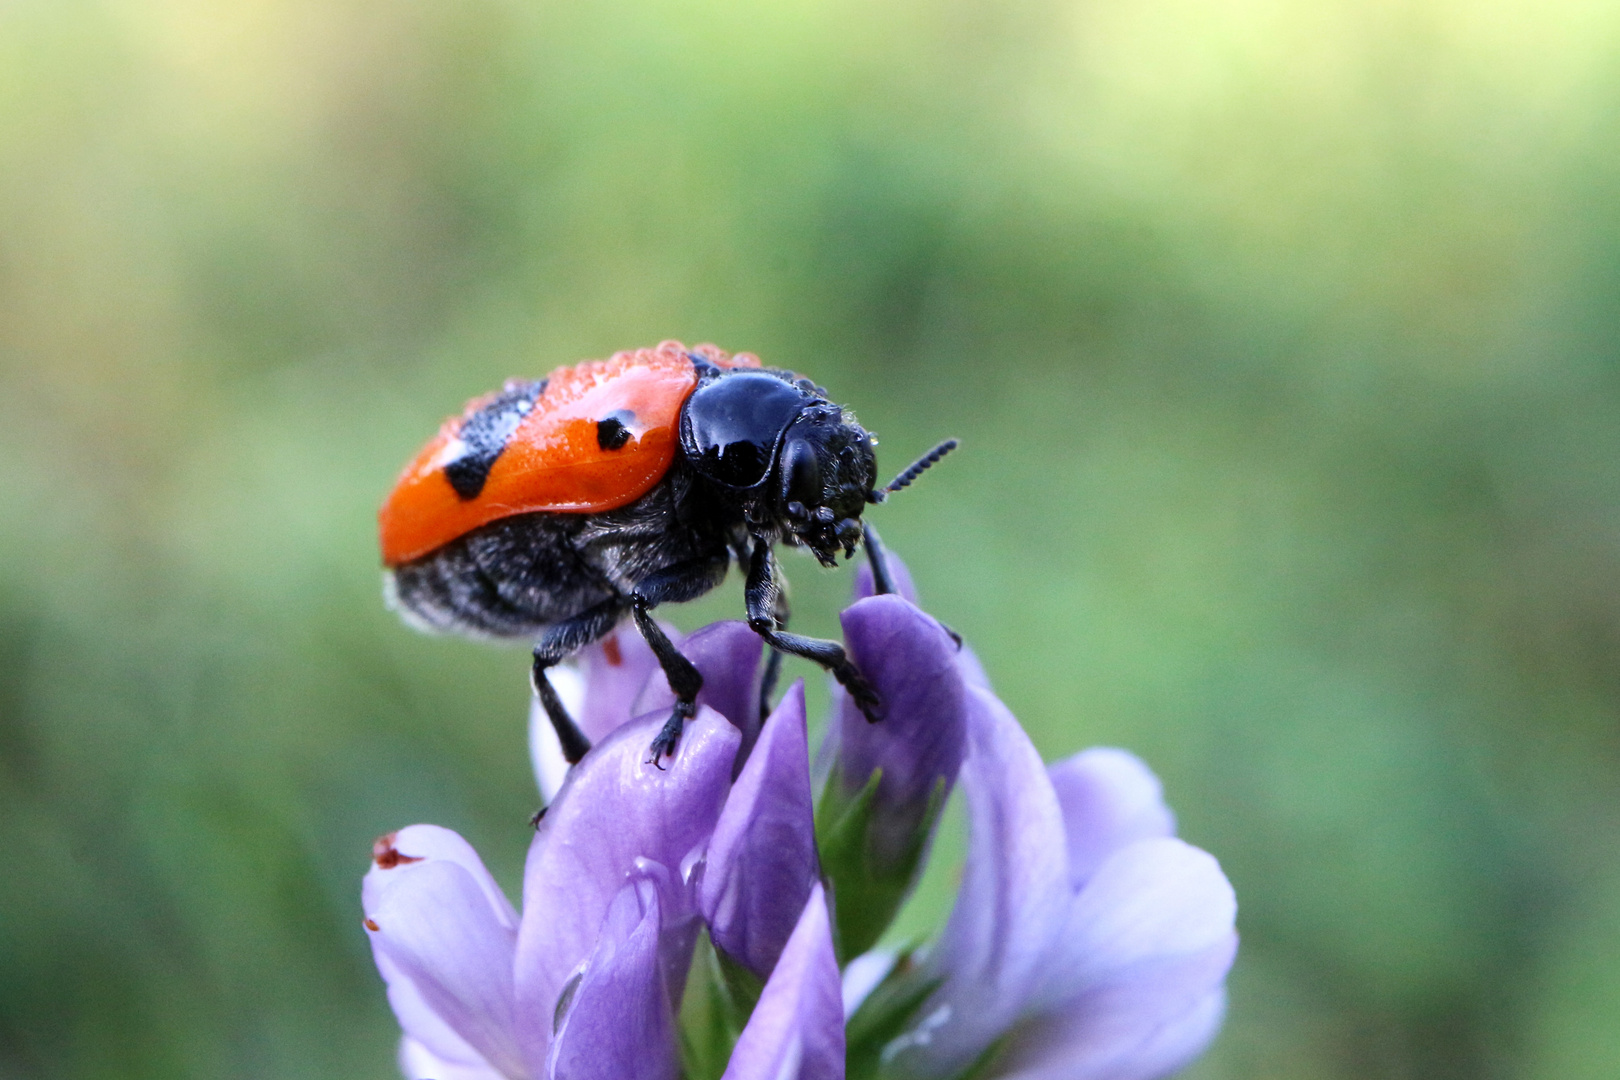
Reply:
x=867, y=891
x=885, y=1013
x=720, y=997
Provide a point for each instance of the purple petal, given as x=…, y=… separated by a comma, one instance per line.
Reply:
x=1149, y=910
x=619, y=1024
x=1110, y=800
x=762, y=862
x=863, y=975
x=911, y=663
x=1135, y=986
x=417, y=1062
x=423, y=1027
x=797, y=1029
x=727, y=653
x=1175, y=1044
x=1112, y=1037
x=616, y=812
x=1013, y=900
x=420, y=843
x=967, y=661
x=445, y=947
x=899, y=577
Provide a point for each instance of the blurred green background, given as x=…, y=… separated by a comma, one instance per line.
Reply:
x=1283, y=339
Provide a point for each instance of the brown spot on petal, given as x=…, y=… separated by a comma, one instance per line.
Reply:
x=387, y=856
x=610, y=649
x=371, y=924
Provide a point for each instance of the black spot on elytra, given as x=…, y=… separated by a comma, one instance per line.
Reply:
x=614, y=431
x=485, y=433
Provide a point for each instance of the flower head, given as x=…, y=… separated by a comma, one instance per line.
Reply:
x=1086, y=941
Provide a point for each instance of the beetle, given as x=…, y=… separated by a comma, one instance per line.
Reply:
x=553, y=508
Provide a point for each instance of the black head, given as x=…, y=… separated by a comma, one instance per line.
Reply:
x=792, y=461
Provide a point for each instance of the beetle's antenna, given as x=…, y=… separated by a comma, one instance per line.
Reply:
x=917, y=468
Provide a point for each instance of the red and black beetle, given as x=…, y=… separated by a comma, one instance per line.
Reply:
x=554, y=508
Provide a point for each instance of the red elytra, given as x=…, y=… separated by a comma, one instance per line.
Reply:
x=553, y=460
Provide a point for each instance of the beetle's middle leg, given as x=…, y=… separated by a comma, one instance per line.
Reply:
x=761, y=593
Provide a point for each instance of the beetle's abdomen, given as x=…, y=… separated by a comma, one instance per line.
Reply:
x=508, y=578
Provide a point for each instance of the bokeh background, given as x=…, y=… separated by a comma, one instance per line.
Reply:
x=1283, y=339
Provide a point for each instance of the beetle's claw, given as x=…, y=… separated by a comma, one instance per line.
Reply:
x=667, y=739
x=865, y=698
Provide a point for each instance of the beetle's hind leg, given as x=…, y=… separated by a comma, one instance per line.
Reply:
x=556, y=644
x=762, y=594
x=679, y=583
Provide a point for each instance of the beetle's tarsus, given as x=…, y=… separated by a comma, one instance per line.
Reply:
x=669, y=736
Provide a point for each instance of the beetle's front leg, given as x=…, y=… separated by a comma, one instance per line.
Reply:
x=761, y=594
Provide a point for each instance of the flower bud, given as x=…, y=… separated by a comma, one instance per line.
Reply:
x=889, y=779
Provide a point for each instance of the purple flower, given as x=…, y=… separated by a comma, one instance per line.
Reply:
x=473, y=985
x=443, y=936
x=448, y=952
x=1087, y=943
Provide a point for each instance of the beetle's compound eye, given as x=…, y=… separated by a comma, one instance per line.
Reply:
x=801, y=473
x=731, y=427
